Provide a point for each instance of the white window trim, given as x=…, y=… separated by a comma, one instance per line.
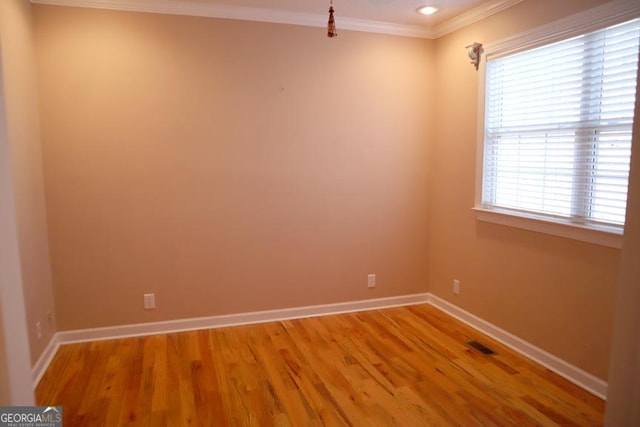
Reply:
x=602, y=235
x=608, y=14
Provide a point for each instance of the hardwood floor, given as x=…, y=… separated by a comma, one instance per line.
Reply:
x=405, y=366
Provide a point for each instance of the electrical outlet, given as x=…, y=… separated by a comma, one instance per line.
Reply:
x=38, y=330
x=149, y=301
x=49, y=319
x=456, y=286
x=371, y=281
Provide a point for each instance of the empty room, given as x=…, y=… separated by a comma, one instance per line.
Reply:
x=316, y=212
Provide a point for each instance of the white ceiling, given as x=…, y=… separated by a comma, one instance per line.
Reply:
x=384, y=16
x=392, y=11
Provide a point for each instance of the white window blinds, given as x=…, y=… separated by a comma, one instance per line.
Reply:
x=558, y=125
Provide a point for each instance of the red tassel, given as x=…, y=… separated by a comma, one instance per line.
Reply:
x=331, y=27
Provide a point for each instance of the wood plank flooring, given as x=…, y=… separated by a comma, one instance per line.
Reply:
x=405, y=366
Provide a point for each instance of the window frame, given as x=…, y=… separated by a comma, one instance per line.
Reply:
x=590, y=20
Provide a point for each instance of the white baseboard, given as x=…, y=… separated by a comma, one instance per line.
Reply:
x=41, y=365
x=576, y=375
x=181, y=325
x=572, y=373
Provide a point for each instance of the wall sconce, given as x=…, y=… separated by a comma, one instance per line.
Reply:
x=474, y=51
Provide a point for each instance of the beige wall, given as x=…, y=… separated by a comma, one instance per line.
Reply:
x=17, y=106
x=623, y=397
x=556, y=293
x=229, y=166
x=24, y=149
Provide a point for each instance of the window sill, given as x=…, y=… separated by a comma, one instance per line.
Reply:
x=605, y=236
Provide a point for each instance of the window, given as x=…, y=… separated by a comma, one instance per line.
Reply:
x=558, y=125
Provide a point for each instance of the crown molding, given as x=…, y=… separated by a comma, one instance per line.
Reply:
x=355, y=24
x=473, y=15
x=209, y=10
x=288, y=17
